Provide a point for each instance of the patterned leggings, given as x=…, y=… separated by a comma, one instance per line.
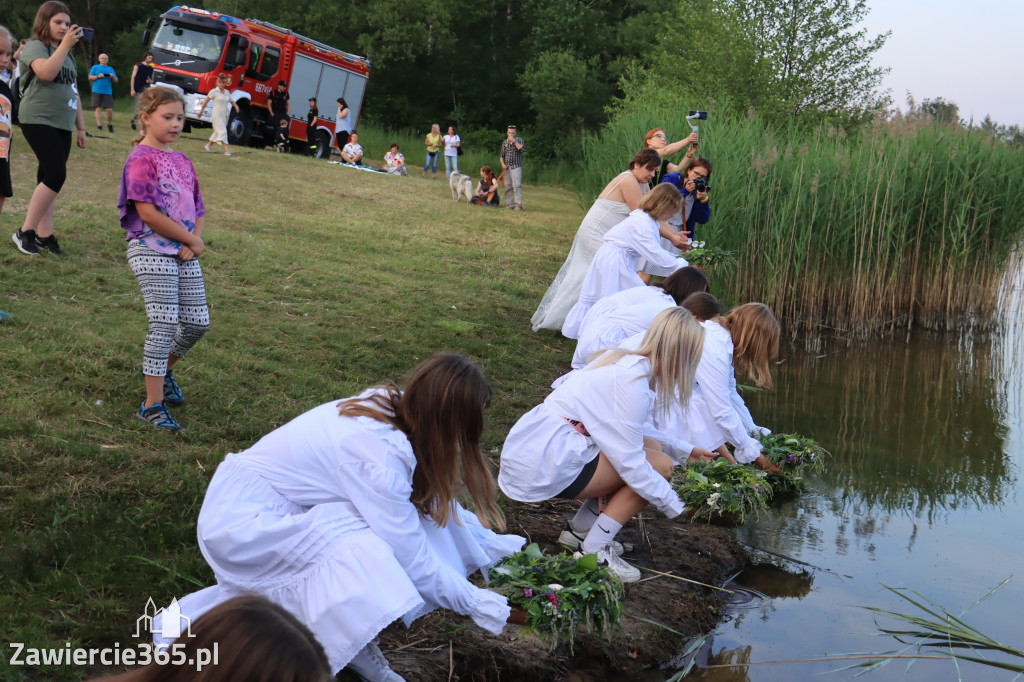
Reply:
x=175, y=299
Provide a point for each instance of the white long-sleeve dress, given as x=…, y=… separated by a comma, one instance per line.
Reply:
x=614, y=266
x=544, y=454
x=565, y=290
x=617, y=317
x=219, y=114
x=717, y=413
x=316, y=516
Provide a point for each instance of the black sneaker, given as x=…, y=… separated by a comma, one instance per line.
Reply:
x=50, y=244
x=26, y=242
x=110, y=127
x=99, y=128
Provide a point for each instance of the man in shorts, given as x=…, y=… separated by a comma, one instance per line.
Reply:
x=103, y=78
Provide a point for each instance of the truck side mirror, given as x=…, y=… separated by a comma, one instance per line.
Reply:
x=150, y=23
x=145, y=38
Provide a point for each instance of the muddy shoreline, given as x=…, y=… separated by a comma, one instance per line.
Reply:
x=443, y=645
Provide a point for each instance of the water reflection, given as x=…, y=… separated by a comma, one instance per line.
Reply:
x=915, y=425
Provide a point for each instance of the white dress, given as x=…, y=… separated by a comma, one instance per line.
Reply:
x=717, y=413
x=544, y=454
x=565, y=290
x=219, y=114
x=616, y=317
x=316, y=516
x=614, y=266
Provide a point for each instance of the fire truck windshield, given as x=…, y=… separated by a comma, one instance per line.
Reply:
x=188, y=47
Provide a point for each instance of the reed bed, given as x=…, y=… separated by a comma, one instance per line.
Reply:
x=904, y=223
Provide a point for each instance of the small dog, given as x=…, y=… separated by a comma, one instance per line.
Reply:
x=462, y=186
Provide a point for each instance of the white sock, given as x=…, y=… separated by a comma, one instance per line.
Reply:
x=585, y=517
x=603, y=532
x=370, y=664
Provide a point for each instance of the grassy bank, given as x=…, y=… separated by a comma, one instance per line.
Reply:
x=321, y=280
x=906, y=223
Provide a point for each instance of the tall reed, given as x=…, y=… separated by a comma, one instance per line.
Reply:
x=906, y=223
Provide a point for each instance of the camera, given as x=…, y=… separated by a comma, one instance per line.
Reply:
x=700, y=184
x=87, y=34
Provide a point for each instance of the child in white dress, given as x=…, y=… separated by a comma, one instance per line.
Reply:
x=614, y=267
x=347, y=517
x=587, y=439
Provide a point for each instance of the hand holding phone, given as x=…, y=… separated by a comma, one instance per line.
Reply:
x=86, y=34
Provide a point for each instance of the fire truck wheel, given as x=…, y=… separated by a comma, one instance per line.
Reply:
x=323, y=145
x=240, y=125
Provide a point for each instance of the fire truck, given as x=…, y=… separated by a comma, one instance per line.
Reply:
x=191, y=46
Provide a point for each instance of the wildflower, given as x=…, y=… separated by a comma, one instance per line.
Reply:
x=713, y=500
x=717, y=485
x=527, y=592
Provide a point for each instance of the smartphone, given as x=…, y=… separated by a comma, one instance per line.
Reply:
x=86, y=34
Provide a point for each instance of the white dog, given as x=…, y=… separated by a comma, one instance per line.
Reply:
x=462, y=186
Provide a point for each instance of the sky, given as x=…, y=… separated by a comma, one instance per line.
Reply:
x=968, y=52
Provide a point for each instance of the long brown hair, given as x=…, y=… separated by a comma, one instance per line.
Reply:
x=256, y=640
x=755, y=339
x=683, y=282
x=41, y=25
x=152, y=99
x=703, y=305
x=488, y=174
x=441, y=412
x=663, y=200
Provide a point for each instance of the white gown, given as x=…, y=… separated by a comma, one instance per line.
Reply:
x=565, y=290
x=316, y=516
x=614, y=267
x=219, y=114
x=544, y=454
x=617, y=317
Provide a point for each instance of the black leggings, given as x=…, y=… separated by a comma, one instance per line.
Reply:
x=52, y=148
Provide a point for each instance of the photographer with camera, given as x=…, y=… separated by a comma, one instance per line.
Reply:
x=694, y=186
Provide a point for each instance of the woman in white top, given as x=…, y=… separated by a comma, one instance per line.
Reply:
x=612, y=206
x=614, y=266
x=746, y=339
x=347, y=515
x=628, y=312
x=586, y=440
x=452, y=142
x=222, y=104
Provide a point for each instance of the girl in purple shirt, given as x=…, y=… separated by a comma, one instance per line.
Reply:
x=162, y=211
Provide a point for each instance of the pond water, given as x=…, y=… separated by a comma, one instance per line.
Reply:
x=924, y=491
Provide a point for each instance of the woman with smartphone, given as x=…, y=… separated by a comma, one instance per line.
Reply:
x=50, y=111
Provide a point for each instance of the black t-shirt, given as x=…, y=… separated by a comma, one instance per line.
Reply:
x=278, y=105
x=143, y=73
x=312, y=115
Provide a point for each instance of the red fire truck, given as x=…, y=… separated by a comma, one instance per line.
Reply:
x=192, y=46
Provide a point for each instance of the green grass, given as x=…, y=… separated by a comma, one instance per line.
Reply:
x=321, y=280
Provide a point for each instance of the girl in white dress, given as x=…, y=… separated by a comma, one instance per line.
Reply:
x=614, y=266
x=347, y=516
x=586, y=440
x=222, y=103
x=613, y=205
x=628, y=312
x=746, y=339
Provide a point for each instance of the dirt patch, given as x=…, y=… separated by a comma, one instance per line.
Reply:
x=444, y=646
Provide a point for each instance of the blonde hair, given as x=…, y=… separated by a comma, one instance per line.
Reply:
x=661, y=201
x=441, y=412
x=755, y=339
x=152, y=99
x=673, y=343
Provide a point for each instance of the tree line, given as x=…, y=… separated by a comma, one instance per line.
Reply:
x=559, y=69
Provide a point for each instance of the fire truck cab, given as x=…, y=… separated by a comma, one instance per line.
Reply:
x=191, y=46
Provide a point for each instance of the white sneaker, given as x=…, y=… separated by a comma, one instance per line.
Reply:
x=607, y=558
x=371, y=666
x=574, y=542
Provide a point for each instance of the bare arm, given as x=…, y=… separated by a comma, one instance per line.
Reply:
x=165, y=227
x=676, y=147
x=47, y=69
x=135, y=71
x=80, y=125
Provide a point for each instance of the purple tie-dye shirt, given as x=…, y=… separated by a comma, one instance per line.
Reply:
x=168, y=181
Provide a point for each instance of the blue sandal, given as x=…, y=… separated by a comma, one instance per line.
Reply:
x=172, y=392
x=158, y=416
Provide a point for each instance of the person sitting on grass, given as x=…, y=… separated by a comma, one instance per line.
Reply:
x=394, y=161
x=587, y=439
x=281, y=136
x=352, y=152
x=487, y=192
